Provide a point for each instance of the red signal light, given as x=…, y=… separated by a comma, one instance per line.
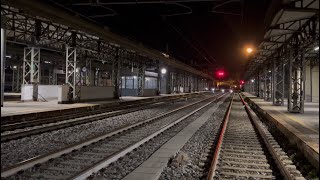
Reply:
x=242, y=82
x=220, y=74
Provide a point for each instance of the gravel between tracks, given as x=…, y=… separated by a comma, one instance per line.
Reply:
x=194, y=148
x=28, y=147
x=128, y=163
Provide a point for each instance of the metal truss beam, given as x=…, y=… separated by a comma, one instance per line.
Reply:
x=54, y=14
x=303, y=30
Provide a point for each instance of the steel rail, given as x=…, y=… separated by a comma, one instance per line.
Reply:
x=73, y=122
x=5, y=172
x=282, y=167
x=5, y=126
x=105, y=162
x=213, y=166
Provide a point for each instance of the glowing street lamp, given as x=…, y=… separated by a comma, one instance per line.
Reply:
x=163, y=71
x=249, y=50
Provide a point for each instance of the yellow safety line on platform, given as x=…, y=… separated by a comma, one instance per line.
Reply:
x=302, y=123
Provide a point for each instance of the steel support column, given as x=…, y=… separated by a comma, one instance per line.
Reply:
x=278, y=81
x=71, y=77
x=3, y=58
x=267, y=85
x=116, y=71
x=31, y=65
x=169, y=82
x=159, y=78
x=261, y=81
x=141, y=79
x=87, y=72
x=184, y=82
x=297, y=81
x=189, y=89
x=31, y=69
x=16, y=79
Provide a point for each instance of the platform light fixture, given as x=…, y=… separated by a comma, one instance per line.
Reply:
x=8, y=56
x=163, y=71
x=231, y=91
x=269, y=71
x=249, y=50
x=14, y=67
x=222, y=90
x=252, y=80
x=316, y=48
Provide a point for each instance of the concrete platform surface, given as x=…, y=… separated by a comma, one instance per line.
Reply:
x=300, y=129
x=13, y=108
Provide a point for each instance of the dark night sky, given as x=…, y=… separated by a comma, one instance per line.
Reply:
x=222, y=37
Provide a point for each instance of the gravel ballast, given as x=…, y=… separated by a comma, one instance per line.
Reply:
x=187, y=163
x=28, y=147
x=129, y=162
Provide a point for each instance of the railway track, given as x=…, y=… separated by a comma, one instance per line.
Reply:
x=10, y=125
x=242, y=146
x=45, y=125
x=80, y=160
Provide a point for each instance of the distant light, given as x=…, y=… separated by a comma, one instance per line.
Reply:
x=220, y=73
x=134, y=77
x=212, y=89
x=165, y=55
x=252, y=80
x=235, y=86
x=249, y=50
x=8, y=56
x=231, y=91
x=206, y=89
x=222, y=90
x=269, y=71
x=242, y=82
x=316, y=48
x=163, y=71
x=77, y=69
x=14, y=67
x=47, y=62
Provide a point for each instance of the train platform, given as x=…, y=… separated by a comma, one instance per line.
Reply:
x=32, y=109
x=300, y=129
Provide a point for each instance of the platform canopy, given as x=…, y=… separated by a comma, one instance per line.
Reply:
x=296, y=20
